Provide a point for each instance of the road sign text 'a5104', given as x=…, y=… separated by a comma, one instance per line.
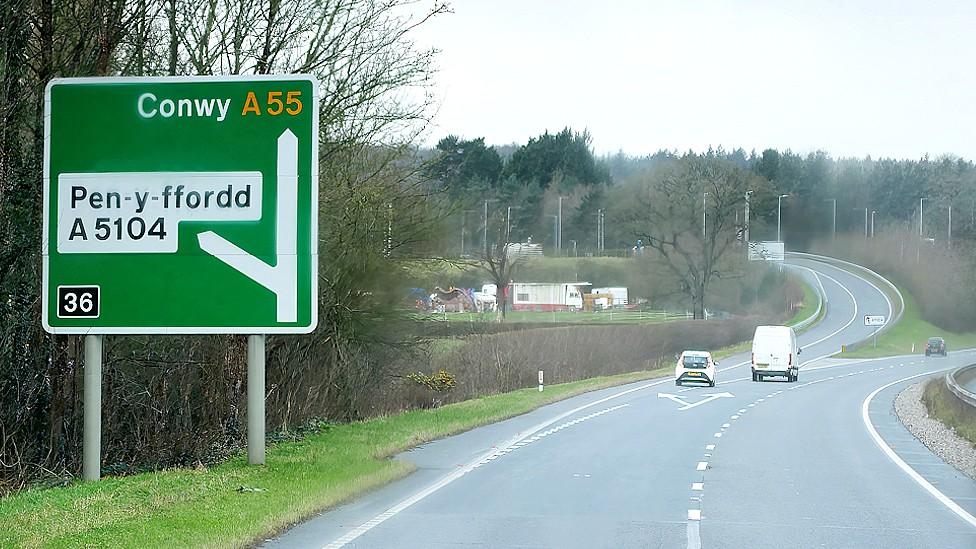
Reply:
x=180, y=205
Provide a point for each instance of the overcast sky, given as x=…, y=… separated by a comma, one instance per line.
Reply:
x=881, y=77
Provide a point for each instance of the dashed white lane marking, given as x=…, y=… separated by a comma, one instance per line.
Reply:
x=735, y=417
x=694, y=537
x=702, y=465
x=694, y=514
x=945, y=500
x=697, y=486
x=753, y=404
x=709, y=446
x=726, y=425
x=742, y=411
x=718, y=435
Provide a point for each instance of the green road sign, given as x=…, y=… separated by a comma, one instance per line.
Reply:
x=180, y=205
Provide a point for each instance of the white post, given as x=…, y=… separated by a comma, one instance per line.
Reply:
x=255, y=399
x=91, y=460
x=540, y=381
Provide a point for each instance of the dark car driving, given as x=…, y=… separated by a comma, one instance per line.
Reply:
x=935, y=346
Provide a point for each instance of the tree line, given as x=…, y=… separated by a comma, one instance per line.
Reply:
x=822, y=193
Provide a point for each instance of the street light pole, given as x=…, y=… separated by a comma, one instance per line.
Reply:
x=603, y=231
x=704, y=232
x=779, y=214
x=599, y=214
x=833, y=224
x=949, y=237
x=559, y=228
x=746, y=231
x=865, y=222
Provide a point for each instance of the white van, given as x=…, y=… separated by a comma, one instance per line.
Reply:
x=774, y=353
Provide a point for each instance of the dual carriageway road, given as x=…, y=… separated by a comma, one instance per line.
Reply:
x=822, y=462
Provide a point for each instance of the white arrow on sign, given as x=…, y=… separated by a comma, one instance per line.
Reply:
x=708, y=398
x=282, y=279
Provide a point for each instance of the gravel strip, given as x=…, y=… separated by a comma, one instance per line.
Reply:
x=942, y=440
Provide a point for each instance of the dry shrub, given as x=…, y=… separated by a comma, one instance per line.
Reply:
x=495, y=363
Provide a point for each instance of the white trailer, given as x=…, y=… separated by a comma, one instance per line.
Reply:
x=543, y=296
x=617, y=295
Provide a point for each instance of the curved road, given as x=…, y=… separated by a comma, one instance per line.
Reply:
x=820, y=462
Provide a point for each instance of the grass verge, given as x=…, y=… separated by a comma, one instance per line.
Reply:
x=808, y=307
x=233, y=504
x=947, y=408
x=911, y=329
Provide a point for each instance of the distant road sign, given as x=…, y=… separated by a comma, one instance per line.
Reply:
x=767, y=251
x=874, y=320
x=180, y=205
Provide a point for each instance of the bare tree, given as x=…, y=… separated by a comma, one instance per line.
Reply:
x=685, y=212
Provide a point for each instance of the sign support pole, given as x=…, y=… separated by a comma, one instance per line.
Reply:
x=91, y=453
x=255, y=399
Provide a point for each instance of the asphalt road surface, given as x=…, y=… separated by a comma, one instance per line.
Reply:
x=822, y=462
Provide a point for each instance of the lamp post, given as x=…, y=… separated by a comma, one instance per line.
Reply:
x=779, y=215
x=559, y=227
x=949, y=236
x=833, y=224
x=746, y=231
x=603, y=231
x=704, y=232
x=599, y=216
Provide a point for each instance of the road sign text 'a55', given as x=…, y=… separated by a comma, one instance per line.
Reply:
x=180, y=205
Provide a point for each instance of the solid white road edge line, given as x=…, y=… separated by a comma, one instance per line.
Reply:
x=945, y=500
x=471, y=465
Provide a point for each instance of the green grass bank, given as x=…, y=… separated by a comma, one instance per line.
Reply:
x=233, y=504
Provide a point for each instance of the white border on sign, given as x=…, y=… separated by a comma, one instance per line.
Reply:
x=58, y=290
x=167, y=330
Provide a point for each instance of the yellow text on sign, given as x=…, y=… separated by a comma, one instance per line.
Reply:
x=277, y=102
